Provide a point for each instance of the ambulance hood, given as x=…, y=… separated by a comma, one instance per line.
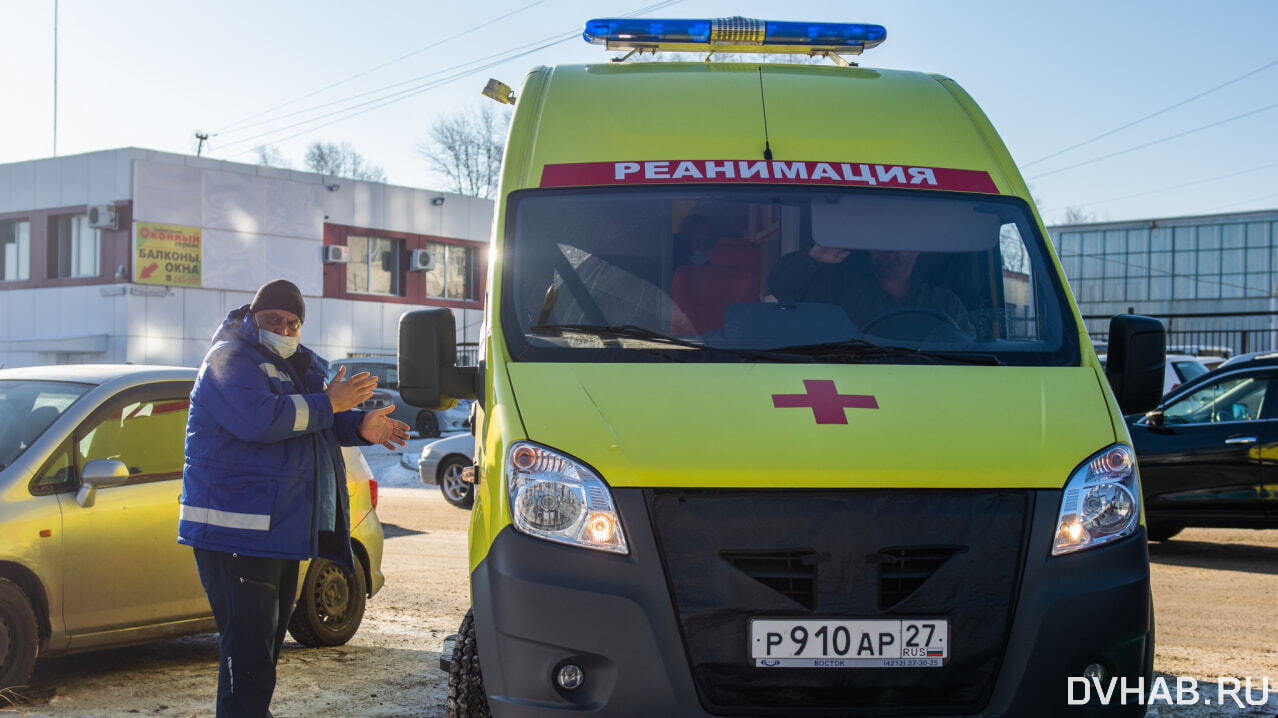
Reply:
x=755, y=425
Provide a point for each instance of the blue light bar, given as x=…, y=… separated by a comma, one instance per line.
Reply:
x=736, y=32
x=824, y=34
x=599, y=32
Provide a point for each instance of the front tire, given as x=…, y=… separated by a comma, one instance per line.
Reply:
x=331, y=607
x=19, y=637
x=456, y=491
x=466, y=696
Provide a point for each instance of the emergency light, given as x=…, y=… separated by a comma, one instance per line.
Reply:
x=733, y=34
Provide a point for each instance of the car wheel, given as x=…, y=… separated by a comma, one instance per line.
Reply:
x=456, y=491
x=1163, y=532
x=427, y=424
x=331, y=606
x=466, y=696
x=19, y=640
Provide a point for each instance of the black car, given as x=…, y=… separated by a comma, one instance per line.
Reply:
x=1208, y=455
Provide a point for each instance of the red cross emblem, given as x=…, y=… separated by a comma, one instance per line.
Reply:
x=826, y=402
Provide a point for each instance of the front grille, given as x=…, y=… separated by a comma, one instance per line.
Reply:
x=731, y=556
x=903, y=569
x=789, y=573
x=378, y=400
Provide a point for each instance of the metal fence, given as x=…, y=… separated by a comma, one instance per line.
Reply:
x=467, y=354
x=1207, y=334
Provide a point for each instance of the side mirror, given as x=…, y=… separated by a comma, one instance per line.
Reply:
x=1137, y=361
x=1154, y=419
x=100, y=474
x=428, y=373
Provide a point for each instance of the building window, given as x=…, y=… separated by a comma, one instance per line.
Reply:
x=374, y=266
x=1137, y=240
x=73, y=247
x=453, y=276
x=15, y=250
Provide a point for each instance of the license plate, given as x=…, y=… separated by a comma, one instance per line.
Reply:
x=849, y=643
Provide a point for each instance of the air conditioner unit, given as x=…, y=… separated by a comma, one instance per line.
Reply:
x=103, y=216
x=336, y=254
x=421, y=260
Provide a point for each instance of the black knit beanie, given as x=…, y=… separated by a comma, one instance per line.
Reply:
x=279, y=294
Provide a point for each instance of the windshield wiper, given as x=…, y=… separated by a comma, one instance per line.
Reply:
x=632, y=331
x=863, y=349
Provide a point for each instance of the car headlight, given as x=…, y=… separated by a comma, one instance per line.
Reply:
x=556, y=498
x=1101, y=502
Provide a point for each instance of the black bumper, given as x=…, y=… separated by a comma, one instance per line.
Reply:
x=539, y=605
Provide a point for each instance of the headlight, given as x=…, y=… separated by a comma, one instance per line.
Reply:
x=558, y=499
x=1101, y=502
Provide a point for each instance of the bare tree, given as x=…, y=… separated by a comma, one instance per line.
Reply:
x=341, y=160
x=465, y=148
x=1075, y=214
x=271, y=156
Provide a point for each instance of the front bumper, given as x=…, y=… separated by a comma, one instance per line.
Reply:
x=428, y=470
x=539, y=605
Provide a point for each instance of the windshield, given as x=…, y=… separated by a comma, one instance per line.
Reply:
x=1187, y=370
x=27, y=408
x=780, y=274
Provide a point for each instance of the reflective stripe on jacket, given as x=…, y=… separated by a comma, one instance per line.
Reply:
x=260, y=439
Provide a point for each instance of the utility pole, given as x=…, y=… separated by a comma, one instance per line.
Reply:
x=201, y=136
x=55, y=78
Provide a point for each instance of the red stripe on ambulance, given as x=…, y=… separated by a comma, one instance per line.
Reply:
x=766, y=171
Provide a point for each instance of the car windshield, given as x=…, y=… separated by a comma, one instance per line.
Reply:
x=743, y=273
x=1187, y=370
x=27, y=408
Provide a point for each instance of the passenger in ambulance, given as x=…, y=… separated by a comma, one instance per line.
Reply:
x=694, y=240
x=880, y=296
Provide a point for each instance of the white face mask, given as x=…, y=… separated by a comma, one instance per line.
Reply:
x=278, y=343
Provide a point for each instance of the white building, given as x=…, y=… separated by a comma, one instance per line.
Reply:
x=137, y=256
x=1212, y=279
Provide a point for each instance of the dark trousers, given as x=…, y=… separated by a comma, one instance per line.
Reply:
x=252, y=600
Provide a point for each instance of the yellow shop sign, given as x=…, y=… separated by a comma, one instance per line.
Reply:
x=167, y=254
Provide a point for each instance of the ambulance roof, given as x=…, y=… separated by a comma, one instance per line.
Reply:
x=715, y=111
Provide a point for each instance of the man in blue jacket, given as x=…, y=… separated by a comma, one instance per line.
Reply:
x=264, y=482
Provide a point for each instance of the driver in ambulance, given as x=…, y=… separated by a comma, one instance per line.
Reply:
x=870, y=296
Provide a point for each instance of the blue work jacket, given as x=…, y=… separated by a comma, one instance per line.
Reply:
x=261, y=442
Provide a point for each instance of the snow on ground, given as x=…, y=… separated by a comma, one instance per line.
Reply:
x=388, y=469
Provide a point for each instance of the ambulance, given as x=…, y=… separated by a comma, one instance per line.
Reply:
x=783, y=403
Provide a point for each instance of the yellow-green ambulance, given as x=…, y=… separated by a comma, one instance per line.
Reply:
x=784, y=406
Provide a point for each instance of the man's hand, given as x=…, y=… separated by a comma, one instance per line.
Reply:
x=349, y=393
x=828, y=255
x=378, y=428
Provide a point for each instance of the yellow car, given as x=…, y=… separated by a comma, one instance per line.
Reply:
x=90, y=560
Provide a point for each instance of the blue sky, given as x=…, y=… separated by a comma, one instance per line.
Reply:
x=149, y=73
